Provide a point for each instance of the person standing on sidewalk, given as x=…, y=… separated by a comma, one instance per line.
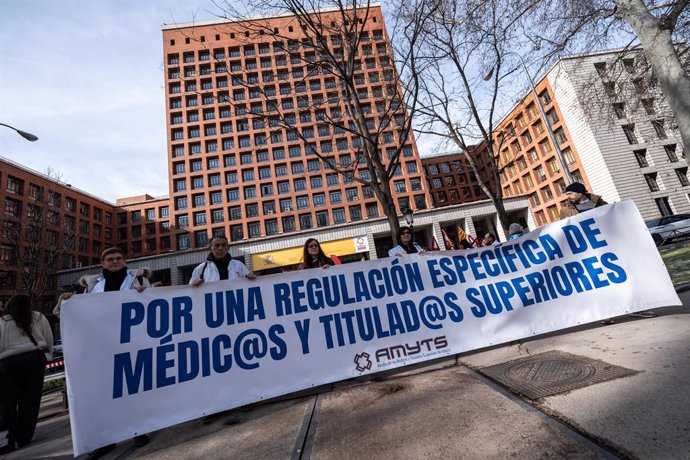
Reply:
x=115, y=277
x=219, y=265
x=25, y=335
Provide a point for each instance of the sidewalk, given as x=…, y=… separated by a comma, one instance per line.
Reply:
x=448, y=409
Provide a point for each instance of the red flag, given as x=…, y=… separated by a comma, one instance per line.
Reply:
x=447, y=241
x=472, y=240
x=434, y=245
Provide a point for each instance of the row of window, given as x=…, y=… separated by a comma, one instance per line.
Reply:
x=280, y=169
x=643, y=161
x=219, y=53
x=267, y=190
x=633, y=136
x=296, y=60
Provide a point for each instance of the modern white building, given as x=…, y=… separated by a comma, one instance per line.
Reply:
x=622, y=129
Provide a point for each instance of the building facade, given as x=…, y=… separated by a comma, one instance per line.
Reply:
x=234, y=171
x=355, y=241
x=47, y=225
x=615, y=130
x=451, y=180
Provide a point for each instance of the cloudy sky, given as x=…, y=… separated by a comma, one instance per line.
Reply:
x=86, y=78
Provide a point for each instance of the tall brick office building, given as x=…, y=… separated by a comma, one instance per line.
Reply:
x=233, y=173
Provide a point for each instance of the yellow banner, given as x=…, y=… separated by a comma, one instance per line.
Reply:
x=292, y=256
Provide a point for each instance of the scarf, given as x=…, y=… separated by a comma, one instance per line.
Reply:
x=221, y=265
x=411, y=249
x=113, y=280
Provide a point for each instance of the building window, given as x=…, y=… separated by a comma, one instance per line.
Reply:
x=236, y=232
x=254, y=229
x=671, y=152
x=648, y=105
x=322, y=219
x=641, y=157
x=659, y=128
x=629, y=131
x=651, y=182
x=300, y=184
x=305, y=221
x=355, y=213
x=619, y=110
x=288, y=224
x=682, y=174
x=199, y=218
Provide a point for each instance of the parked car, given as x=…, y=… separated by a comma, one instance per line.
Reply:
x=669, y=228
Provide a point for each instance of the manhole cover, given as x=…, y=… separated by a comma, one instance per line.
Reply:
x=552, y=372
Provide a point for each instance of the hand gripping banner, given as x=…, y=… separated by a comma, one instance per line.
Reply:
x=138, y=362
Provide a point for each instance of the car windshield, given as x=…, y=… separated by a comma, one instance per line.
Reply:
x=653, y=223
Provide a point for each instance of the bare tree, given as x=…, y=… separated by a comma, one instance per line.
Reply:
x=41, y=235
x=576, y=25
x=459, y=66
x=335, y=41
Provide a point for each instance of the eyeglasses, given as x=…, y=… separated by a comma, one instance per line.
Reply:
x=113, y=259
x=405, y=233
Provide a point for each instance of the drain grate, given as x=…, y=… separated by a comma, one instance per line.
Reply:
x=552, y=372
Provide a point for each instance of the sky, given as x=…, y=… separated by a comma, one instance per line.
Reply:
x=86, y=77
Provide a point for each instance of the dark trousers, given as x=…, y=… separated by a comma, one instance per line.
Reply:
x=21, y=387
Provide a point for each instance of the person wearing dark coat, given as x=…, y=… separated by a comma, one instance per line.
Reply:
x=579, y=200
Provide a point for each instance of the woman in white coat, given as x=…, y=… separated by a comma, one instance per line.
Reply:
x=406, y=244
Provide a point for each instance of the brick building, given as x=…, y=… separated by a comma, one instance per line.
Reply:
x=72, y=226
x=234, y=173
x=451, y=180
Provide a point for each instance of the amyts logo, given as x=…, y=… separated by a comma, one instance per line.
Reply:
x=362, y=361
x=403, y=352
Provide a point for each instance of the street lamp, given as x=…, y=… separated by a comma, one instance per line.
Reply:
x=552, y=136
x=24, y=134
x=409, y=217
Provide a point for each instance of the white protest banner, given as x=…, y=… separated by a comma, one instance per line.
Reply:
x=138, y=362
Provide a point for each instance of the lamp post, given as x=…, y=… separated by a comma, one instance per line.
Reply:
x=409, y=218
x=552, y=136
x=24, y=134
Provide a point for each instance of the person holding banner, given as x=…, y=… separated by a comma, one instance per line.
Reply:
x=489, y=240
x=406, y=244
x=515, y=230
x=313, y=256
x=579, y=200
x=219, y=265
x=115, y=277
x=25, y=336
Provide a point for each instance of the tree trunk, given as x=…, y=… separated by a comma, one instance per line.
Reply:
x=658, y=47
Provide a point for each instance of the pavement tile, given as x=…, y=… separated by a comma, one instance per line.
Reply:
x=442, y=414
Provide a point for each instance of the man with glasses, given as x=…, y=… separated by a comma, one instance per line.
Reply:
x=115, y=277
